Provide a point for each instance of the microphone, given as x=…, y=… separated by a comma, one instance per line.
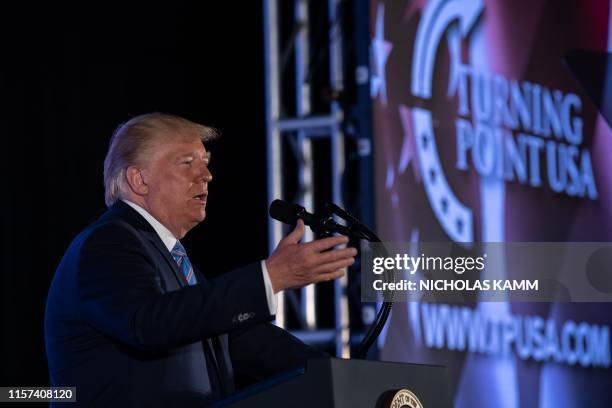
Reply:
x=289, y=213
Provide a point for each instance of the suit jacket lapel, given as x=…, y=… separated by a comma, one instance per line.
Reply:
x=128, y=214
x=157, y=243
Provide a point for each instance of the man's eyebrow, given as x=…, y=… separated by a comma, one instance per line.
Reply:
x=183, y=155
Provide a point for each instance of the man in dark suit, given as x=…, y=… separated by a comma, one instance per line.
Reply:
x=131, y=322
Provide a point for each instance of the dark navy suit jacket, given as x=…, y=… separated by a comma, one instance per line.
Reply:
x=123, y=326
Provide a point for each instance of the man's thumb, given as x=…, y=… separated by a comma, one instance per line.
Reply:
x=297, y=233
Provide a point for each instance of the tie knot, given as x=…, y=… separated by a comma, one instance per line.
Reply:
x=180, y=256
x=179, y=251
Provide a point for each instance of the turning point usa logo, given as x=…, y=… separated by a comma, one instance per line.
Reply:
x=512, y=130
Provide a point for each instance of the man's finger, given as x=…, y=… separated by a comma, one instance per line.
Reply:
x=326, y=243
x=294, y=236
x=330, y=276
x=333, y=266
x=331, y=256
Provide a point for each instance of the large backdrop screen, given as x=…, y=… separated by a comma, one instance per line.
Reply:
x=485, y=131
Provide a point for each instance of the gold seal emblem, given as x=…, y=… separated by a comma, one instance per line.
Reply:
x=403, y=399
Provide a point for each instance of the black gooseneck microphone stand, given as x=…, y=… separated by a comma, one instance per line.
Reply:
x=363, y=232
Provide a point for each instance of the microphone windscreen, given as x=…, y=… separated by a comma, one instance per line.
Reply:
x=284, y=212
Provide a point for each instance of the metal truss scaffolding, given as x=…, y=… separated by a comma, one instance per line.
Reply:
x=296, y=121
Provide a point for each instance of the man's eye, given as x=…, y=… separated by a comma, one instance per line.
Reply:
x=187, y=161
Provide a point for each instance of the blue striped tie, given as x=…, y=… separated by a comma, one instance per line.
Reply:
x=180, y=256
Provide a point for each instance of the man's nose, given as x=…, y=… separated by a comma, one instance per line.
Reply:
x=205, y=174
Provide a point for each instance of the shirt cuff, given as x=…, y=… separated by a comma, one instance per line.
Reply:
x=269, y=290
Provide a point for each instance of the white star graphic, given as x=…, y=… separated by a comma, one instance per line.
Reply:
x=380, y=50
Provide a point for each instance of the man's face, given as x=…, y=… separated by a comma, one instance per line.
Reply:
x=177, y=177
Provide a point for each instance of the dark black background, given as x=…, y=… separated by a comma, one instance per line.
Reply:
x=68, y=77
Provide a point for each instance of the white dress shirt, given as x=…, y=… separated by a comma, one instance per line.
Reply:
x=169, y=241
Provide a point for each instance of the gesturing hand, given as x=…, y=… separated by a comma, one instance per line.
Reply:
x=293, y=265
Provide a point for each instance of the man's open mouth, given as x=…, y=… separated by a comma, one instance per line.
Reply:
x=201, y=197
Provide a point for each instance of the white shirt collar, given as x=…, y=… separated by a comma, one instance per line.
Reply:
x=164, y=233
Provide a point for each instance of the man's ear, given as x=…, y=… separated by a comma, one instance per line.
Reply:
x=136, y=180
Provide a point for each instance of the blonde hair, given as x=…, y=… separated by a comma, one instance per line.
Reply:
x=133, y=141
